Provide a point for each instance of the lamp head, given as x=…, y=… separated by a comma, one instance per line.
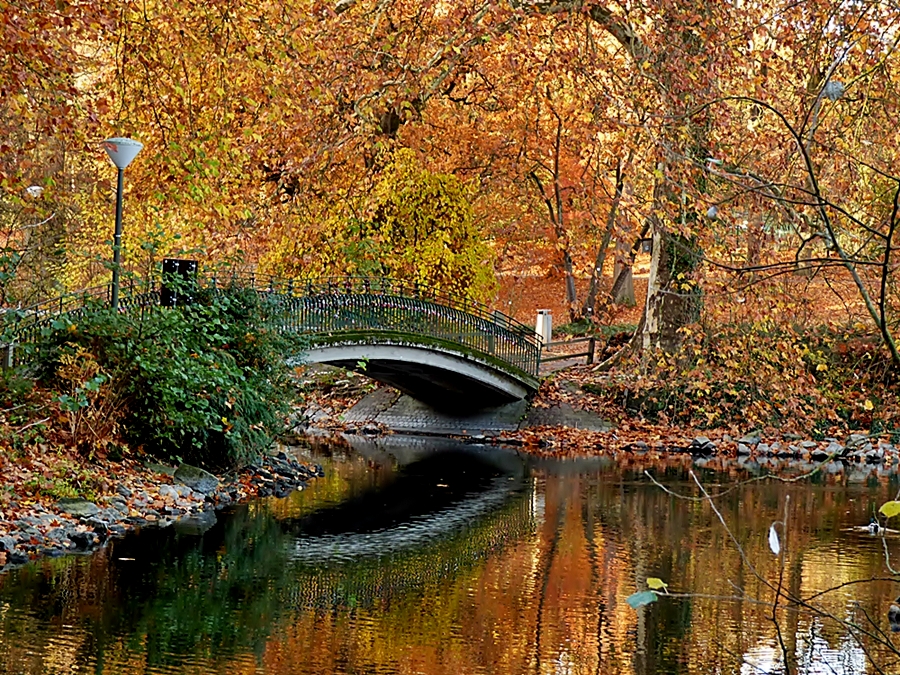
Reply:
x=121, y=150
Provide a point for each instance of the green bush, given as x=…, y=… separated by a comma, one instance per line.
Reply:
x=205, y=383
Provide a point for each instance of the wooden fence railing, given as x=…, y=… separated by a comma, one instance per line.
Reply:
x=547, y=356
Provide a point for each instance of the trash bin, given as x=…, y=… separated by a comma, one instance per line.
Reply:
x=179, y=281
x=544, y=325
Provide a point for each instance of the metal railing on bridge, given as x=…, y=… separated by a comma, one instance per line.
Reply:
x=360, y=305
x=331, y=309
x=20, y=326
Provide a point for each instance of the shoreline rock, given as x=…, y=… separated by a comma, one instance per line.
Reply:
x=858, y=458
x=79, y=526
x=858, y=449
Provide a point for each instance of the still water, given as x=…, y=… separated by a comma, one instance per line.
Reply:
x=427, y=557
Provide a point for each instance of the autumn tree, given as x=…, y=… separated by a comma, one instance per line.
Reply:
x=571, y=125
x=49, y=111
x=415, y=225
x=810, y=155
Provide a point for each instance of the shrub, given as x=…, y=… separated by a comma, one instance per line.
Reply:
x=415, y=225
x=205, y=383
x=758, y=375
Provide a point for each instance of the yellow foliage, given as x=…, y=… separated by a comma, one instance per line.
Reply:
x=415, y=225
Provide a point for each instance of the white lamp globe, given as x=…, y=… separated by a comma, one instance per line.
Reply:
x=121, y=150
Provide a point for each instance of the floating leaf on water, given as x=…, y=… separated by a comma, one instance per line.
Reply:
x=774, y=544
x=640, y=599
x=890, y=509
x=657, y=584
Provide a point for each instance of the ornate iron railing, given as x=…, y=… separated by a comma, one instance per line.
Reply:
x=364, y=308
x=24, y=325
x=376, y=306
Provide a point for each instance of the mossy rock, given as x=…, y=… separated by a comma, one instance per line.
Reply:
x=196, y=478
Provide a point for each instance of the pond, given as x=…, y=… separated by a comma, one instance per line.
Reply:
x=415, y=556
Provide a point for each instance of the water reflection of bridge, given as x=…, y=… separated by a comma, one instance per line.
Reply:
x=448, y=509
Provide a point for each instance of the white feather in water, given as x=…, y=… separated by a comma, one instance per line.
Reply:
x=774, y=544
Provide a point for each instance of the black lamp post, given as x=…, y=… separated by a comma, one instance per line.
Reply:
x=121, y=151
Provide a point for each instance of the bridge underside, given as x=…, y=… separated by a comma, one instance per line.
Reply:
x=442, y=379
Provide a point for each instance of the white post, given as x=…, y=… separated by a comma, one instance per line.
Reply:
x=544, y=325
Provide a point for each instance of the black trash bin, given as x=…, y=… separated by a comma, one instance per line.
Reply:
x=179, y=281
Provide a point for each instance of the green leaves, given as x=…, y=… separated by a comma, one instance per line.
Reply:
x=637, y=600
x=642, y=598
x=79, y=397
x=657, y=584
x=183, y=371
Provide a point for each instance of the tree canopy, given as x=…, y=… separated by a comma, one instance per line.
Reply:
x=425, y=138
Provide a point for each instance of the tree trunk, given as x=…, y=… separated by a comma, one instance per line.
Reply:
x=623, y=287
x=571, y=294
x=669, y=307
x=590, y=302
x=622, y=292
x=555, y=212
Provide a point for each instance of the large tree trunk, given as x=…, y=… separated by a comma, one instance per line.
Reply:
x=670, y=303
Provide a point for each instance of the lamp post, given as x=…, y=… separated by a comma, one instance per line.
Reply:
x=121, y=151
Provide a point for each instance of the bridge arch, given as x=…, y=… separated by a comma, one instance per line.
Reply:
x=440, y=376
x=449, y=352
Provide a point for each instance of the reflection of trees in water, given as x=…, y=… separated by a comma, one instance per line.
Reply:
x=381, y=579
x=440, y=515
x=683, y=543
x=556, y=601
x=178, y=596
x=814, y=654
x=182, y=597
x=535, y=585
